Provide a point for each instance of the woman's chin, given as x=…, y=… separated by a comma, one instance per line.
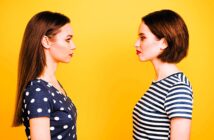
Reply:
x=66, y=60
x=142, y=59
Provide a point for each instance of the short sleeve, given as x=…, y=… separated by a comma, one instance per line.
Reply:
x=179, y=102
x=37, y=101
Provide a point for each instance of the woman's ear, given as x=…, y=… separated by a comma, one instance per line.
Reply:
x=164, y=43
x=46, y=42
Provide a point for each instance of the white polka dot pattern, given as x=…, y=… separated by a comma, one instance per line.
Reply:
x=42, y=99
x=32, y=100
x=45, y=99
x=52, y=128
x=38, y=89
x=54, y=101
x=65, y=126
x=39, y=110
x=27, y=93
x=59, y=137
x=56, y=118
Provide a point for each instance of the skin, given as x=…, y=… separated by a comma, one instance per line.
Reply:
x=148, y=47
x=58, y=49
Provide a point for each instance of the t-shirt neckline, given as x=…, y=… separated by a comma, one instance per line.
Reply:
x=155, y=82
x=65, y=95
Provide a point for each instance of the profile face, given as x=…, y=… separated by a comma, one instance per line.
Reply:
x=148, y=46
x=62, y=46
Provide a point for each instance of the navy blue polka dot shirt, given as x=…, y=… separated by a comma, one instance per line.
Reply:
x=41, y=99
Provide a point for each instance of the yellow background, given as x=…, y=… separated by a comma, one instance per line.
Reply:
x=105, y=78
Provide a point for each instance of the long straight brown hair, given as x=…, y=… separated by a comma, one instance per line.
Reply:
x=32, y=57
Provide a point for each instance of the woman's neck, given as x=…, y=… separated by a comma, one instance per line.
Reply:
x=48, y=73
x=164, y=69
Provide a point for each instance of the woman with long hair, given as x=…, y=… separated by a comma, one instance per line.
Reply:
x=42, y=104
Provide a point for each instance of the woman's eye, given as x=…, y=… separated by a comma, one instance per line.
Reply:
x=142, y=37
x=68, y=40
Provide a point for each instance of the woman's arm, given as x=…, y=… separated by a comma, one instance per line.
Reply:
x=40, y=128
x=180, y=129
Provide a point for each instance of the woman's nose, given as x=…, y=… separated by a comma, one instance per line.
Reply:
x=72, y=46
x=137, y=43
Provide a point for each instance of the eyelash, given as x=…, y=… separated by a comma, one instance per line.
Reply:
x=142, y=37
x=68, y=40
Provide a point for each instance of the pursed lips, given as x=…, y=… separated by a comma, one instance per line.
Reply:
x=71, y=54
x=138, y=52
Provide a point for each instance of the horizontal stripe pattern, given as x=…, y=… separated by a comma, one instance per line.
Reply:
x=165, y=99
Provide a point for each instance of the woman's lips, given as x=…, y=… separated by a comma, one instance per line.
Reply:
x=138, y=52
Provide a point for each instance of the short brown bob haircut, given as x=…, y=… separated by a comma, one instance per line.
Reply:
x=169, y=25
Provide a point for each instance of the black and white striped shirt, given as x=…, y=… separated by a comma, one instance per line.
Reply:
x=165, y=99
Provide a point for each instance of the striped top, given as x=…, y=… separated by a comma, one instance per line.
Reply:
x=165, y=99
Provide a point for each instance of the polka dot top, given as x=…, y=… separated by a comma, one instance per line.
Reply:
x=41, y=99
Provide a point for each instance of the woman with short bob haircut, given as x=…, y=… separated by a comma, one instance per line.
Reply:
x=165, y=110
x=42, y=104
